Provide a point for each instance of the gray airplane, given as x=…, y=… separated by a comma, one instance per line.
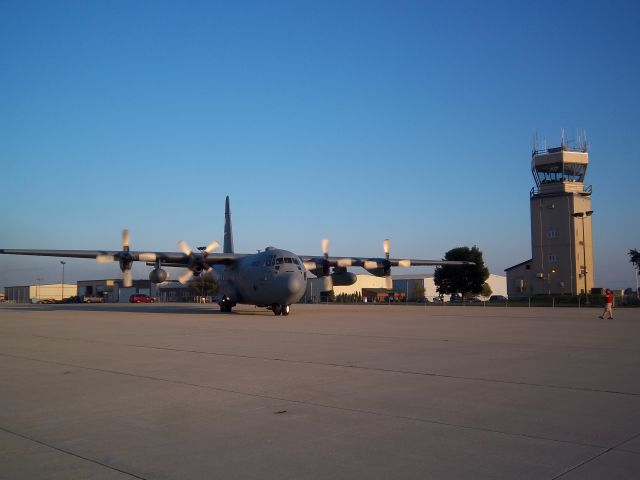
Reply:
x=273, y=278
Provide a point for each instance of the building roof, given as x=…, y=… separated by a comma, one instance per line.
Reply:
x=519, y=265
x=418, y=276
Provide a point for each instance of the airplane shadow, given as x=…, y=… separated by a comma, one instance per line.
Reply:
x=162, y=308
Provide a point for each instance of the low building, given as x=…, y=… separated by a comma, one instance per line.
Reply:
x=315, y=294
x=35, y=293
x=174, y=291
x=404, y=286
x=407, y=284
x=111, y=290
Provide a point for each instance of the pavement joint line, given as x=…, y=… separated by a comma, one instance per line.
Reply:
x=589, y=460
x=313, y=404
x=391, y=337
x=359, y=367
x=68, y=452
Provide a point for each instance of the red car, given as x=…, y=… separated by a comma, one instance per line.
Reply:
x=141, y=298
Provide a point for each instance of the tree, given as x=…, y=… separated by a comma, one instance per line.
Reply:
x=634, y=257
x=418, y=291
x=203, y=285
x=486, y=290
x=450, y=279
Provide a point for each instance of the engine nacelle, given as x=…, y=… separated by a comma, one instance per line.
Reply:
x=342, y=278
x=157, y=275
x=379, y=272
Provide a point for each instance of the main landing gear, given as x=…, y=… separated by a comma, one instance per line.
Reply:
x=226, y=305
x=281, y=309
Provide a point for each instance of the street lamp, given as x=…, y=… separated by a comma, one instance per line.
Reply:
x=581, y=216
x=63, y=264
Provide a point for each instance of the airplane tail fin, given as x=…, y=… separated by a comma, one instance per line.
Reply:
x=228, y=234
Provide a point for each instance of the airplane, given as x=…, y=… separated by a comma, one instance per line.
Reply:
x=273, y=278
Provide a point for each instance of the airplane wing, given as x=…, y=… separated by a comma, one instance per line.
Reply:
x=380, y=267
x=194, y=262
x=367, y=262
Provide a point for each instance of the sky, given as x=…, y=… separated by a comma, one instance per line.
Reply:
x=355, y=121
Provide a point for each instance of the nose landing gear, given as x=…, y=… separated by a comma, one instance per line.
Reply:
x=226, y=305
x=280, y=309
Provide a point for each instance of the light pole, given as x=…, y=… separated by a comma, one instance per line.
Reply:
x=62, y=285
x=581, y=216
x=38, y=289
x=553, y=270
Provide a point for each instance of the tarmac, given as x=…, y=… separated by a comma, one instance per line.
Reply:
x=170, y=391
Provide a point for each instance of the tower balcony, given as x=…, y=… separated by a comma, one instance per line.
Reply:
x=556, y=188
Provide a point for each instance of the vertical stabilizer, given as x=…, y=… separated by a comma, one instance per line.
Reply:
x=228, y=234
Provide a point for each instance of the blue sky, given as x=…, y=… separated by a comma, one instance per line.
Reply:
x=355, y=121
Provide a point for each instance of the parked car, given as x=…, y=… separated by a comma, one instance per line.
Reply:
x=497, y=298
x=472, y=300
x=141, y=298
x=92, y=299
x=74, y=299
x=47, y=301
x=455, y=298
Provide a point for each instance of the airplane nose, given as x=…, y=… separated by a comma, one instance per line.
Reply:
x=294, y=283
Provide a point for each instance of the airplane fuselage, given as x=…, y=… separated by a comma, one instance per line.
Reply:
x=271, y=277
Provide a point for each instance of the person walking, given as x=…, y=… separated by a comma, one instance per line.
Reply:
x=608, y=305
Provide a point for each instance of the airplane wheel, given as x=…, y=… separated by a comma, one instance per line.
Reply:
x=277, y=309
x=225, y=306
x=286, y=309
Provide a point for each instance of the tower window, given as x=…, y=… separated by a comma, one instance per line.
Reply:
x=553, y=258
x=552, y=234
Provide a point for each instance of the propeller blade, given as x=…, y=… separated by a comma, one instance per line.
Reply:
x=184, y=248
x=185, y=277
x=125, y=239
x=388, y=283
x=310, y=265
x=327, y=283
x=386, y=245
x=127, y=278
x=147, y=257
x=105, y=258
x=212, y=246
x=370, y=264
x=325, y=247
x=404, y=263
x=345, y=262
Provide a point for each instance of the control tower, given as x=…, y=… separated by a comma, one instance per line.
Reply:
x=561, y=229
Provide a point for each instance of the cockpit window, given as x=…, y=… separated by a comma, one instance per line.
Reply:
x=296, y=261
x=279, y=261
x=287, y=260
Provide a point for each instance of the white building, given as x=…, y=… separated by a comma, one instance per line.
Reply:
x=406, y=284
x=403, y=284
x=35, y=293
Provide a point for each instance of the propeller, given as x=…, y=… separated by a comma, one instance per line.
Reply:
x=382, y=266
x=197, y=261
x=124, y=257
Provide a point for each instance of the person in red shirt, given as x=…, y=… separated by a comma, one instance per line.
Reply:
x=608, y=305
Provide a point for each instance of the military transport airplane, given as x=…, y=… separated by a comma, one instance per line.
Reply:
x=273, y=278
